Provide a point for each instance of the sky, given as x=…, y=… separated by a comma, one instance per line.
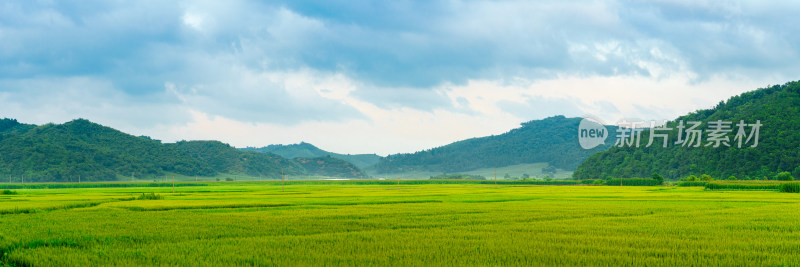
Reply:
x=381, y=77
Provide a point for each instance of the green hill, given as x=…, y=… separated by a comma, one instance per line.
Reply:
x=306, y=150
x=778, y=110
x=552, y=140
x=330, y=166
x=80, y=148
x=224, y=158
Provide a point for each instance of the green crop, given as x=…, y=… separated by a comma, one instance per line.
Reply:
x=355, y=223
x=790, y=188
x=745, y=185
x=692, y=183
x=633, y=182
x=151, y=196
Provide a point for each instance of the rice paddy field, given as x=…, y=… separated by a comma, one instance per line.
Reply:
x=341, y=223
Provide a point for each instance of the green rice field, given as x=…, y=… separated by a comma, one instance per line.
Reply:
x=347, y=223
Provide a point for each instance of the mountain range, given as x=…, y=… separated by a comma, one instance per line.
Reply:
x=80, y=149
x=553, y=140
x=306, y=150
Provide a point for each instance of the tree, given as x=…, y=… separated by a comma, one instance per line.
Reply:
x=658, y=178
x=706, y=177
x=796, y=172
x=732, y=177
x=525, y=176
x=784, y=176
x=507, y=176
x=551, y=170
x=691, y=178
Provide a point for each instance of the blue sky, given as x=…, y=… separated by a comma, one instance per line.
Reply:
x=381, y=76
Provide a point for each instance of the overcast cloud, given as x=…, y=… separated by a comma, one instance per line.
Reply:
x=381, y=76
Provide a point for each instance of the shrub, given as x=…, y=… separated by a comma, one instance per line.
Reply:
x=784, y=176
x=593, y=181
x=8, y=192
x=151, y=196
x=633, y=182
x=706, y=177
x=692, y=183
x=658, y=178
x=790, y=188
x=691, y=178
x=731, y=178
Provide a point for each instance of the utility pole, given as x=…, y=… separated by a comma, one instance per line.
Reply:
x=398, y=180
x=23, y=179
x=79, y=179
x=283, y=184
x=173, y=184
x=495, y=176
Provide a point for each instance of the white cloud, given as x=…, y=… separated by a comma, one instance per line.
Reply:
x=60, y=100
x=389, y=77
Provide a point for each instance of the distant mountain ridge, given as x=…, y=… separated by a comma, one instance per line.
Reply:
x=306, y=150
x=80, y=148
x=553, y=140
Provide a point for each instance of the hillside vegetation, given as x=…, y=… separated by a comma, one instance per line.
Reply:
x=306, y=150
x=88, y=151
x=330, y=166
x=552, y=140
x=777, y=108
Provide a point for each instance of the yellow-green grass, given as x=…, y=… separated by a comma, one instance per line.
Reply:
x=408, y=225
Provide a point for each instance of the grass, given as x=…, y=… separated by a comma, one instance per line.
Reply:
x=360, y=223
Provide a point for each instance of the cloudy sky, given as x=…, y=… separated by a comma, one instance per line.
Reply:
x=381, y=76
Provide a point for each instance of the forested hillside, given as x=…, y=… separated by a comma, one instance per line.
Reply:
x=80, y=148
x=777, y=108
x=306, y=150
x=553, y=140
x=224, y=158
x=330, y=166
